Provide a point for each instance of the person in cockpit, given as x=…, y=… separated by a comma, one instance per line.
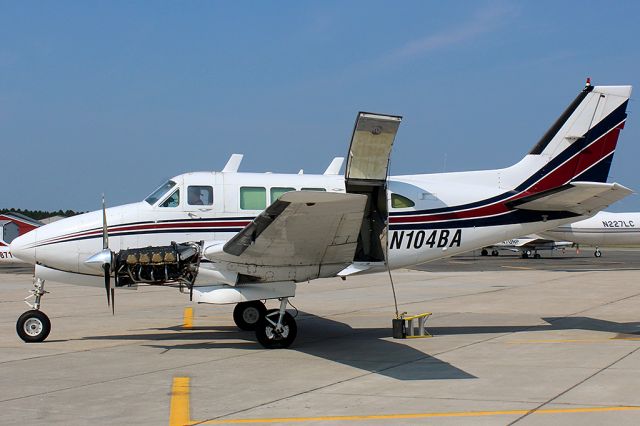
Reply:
x=195, y=198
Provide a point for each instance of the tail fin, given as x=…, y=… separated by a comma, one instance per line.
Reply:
x=579, y=146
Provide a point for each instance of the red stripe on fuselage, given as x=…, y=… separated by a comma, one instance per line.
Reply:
x=180, y=227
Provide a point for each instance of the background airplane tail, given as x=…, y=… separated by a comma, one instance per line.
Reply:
x=580, y=145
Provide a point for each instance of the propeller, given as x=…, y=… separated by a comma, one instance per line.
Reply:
x=110, y=290
x=104, y=258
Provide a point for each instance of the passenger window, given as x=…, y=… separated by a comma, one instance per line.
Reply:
x=400, y=202
x=253, y=198
x=276, y=192
x=200, y=195
x=313, y=189
x=173, y=200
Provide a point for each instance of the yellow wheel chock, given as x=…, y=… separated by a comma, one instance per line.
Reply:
x=403, y=327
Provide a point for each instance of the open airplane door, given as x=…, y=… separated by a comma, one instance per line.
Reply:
x=366, y=173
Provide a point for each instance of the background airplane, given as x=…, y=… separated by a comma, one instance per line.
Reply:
x=605, y=229
x=13, y=225
x=527, y=246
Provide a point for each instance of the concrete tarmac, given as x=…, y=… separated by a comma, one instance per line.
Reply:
x=541, y=345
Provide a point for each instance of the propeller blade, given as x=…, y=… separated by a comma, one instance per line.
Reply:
x=105, y=234
x=107, y=281
x=113, y=292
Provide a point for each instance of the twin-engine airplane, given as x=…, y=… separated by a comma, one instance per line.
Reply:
x=229, y=237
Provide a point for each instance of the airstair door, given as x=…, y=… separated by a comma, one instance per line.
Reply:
x=366, y=173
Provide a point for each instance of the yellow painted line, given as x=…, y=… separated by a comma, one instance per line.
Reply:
x=419, y=415
x=180, y=411
x=187, y=322
x=517, y=267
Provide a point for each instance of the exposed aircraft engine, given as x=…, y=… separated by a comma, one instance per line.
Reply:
x=158, y=265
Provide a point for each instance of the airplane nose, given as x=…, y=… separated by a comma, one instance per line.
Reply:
x=23, y=247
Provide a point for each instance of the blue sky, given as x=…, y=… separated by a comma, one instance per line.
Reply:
x=117, y=96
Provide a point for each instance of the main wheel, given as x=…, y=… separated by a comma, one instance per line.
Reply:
x=33, y=326
x=525, y=255
x=484, y=252
x=494, y=252
x=247, y=314
x=597, y=253
x=267, y=334
x=537, y=256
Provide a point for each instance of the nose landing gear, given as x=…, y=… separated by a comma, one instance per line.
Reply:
x=34, y=325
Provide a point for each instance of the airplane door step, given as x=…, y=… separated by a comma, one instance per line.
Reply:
x=403, y=327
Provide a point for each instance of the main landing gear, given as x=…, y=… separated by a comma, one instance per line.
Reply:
x=247, y=314
x=34, y=325
x=597, y=253
x=527, y=253
x=274, y=328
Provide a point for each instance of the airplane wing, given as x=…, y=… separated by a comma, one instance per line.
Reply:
x=300, y=228
x=578, y=197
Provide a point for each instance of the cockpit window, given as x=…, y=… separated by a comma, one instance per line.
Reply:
x=400, y=202
x=173, y=200
x=160, y=192
x=200, y=195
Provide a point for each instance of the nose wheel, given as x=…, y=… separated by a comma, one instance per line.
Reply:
x=33, y=326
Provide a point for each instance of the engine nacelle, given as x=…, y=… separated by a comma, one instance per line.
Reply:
x=177, y=263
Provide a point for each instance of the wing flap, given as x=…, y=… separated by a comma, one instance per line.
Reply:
x=576, y=197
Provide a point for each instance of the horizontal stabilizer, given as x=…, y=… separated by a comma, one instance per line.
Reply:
x=300, y=228
x=577, y=197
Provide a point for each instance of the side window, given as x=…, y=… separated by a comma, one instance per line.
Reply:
x=313, y=189
x=200, y=195
x=400, y=202
x=276, y=192
x=173, y=200
x=253, y=198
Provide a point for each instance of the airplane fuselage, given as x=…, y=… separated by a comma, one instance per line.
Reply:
x=419, y=233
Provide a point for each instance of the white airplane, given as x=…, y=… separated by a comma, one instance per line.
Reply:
x=605, y=229
x=11, y=226
x=229, y=237
x=527, y=246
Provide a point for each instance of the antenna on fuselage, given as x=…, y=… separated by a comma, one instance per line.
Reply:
x=233, y=164
x=335, y=166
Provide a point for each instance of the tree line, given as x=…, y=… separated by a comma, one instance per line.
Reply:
x=41, y=214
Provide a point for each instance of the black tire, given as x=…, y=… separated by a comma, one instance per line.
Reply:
x=266, y=335
x=525, y=255
x=484, y=252
x=597, y=253
x=33, y=326
x=494, y=253
x=537, y=256
x=246, y=315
